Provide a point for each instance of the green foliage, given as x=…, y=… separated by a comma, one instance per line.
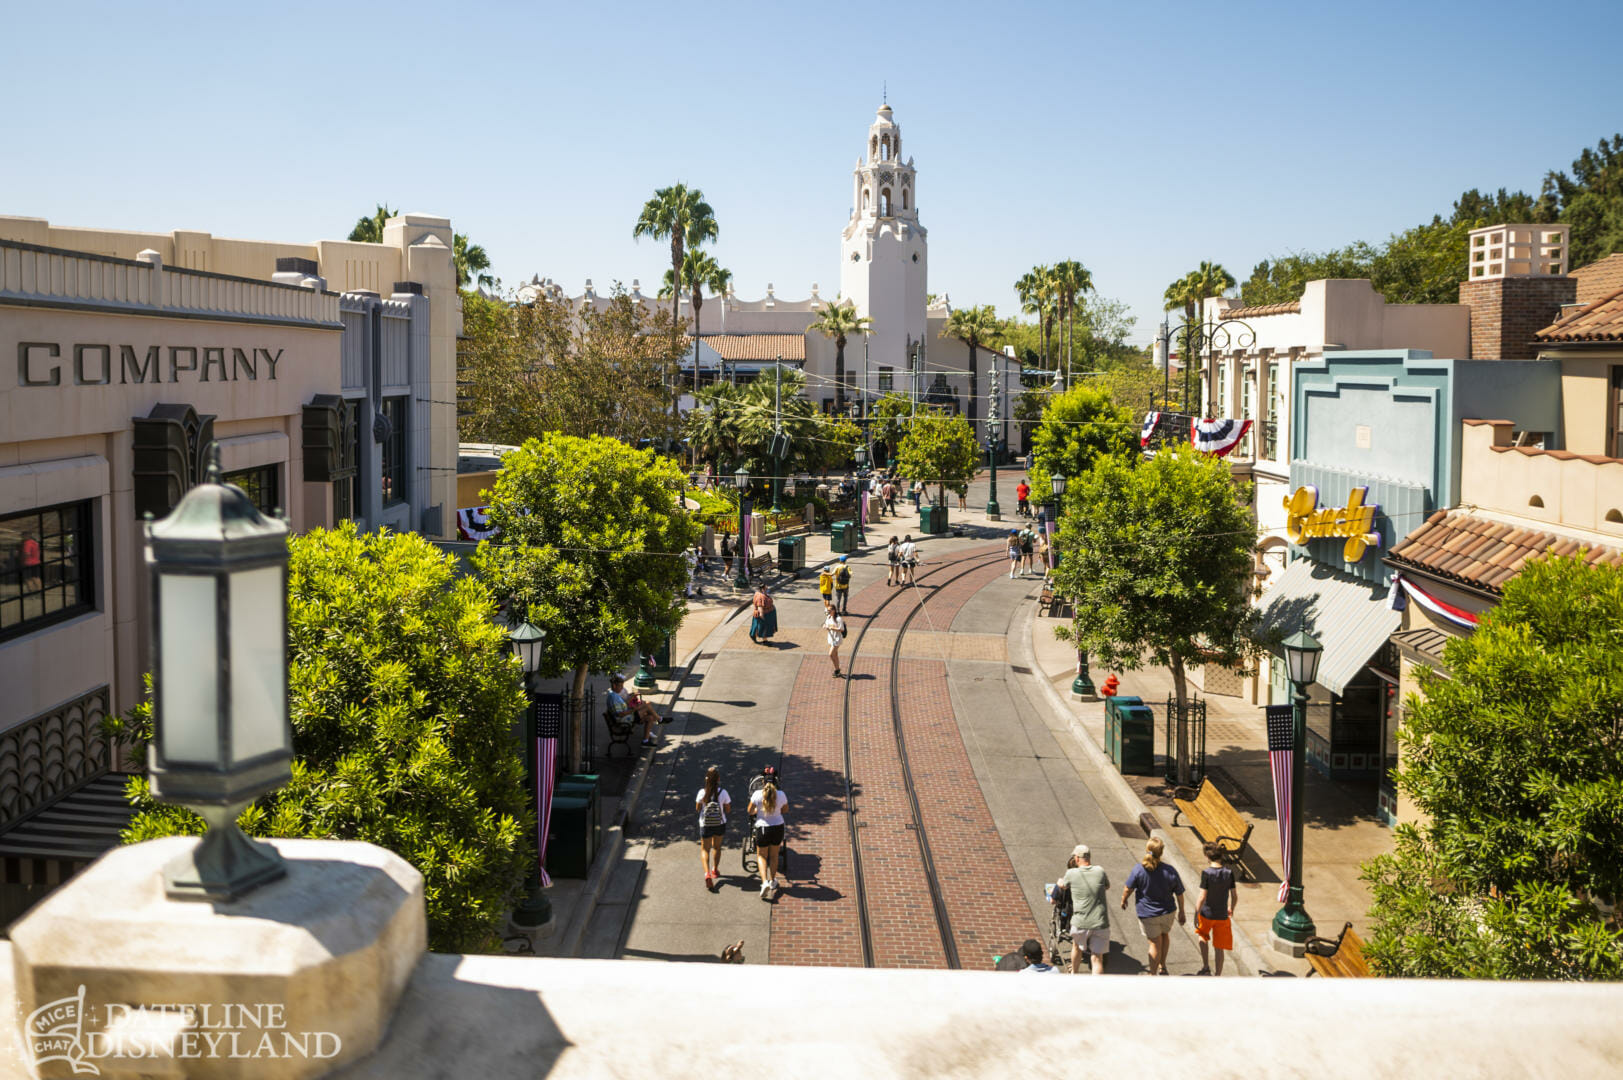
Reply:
x=1590, y=200
x=1515, y=764
x=837, y=440
x=369, y=229
x=1283, y=279
x=888, y=418
x=940, y=450
x=402, y=697
x=1207, y=280
x=1077, y=428
x=839, y=322
x=591, y=535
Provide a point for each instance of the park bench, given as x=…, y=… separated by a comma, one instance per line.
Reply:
x=620, y=729
x=761, y=563
x=1216, y=821
x=1341, y=957
x=1051, y=603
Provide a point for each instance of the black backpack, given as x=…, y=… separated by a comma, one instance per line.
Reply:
x=711, y=815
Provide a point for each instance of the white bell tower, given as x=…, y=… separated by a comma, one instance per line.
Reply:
x=883, y=258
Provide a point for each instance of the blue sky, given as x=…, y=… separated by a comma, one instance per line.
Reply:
x=1139, y=138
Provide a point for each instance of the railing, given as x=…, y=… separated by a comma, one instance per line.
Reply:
x=52, y=755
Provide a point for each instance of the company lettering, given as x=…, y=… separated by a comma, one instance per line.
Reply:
x=40, y=363
x=1306, y=520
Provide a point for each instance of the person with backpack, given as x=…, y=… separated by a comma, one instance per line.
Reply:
x=834, y=626
x=842, y=587
x=825, y=584
x=766, y=806
x=1027, y=540
x=1013, y=550
x=1214, y=908
x=893, y=558
x=910, y=557
x=712, y=803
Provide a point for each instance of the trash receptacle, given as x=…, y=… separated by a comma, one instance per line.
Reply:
x=1113, y=707
x=933, y=520
x=843, y=537
x=573, y=841
x=582, y=786
x=1137, y=740
x=792, y=554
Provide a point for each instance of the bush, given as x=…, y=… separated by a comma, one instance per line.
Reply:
x=402, y=697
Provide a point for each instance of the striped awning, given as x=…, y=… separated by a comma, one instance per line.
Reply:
x=1350, y=617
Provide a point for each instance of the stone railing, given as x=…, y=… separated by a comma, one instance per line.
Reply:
x=51, y=755
x=54, y=277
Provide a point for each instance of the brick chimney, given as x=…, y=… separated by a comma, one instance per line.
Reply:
x=1517, y=281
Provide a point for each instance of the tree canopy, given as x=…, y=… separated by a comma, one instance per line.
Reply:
x=402, y=696
x=1156, y=555
x=1514, y=762
x=1076, y=429
x=938, y=449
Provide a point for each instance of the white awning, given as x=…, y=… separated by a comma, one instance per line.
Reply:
x=1350, y=617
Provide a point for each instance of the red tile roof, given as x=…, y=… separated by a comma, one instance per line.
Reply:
x=757, y=346
x=1459, y=546
x=1602, y=320
x=1259, y=310
x=1600, y=278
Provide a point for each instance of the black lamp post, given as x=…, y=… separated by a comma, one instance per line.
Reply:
x=862, y=486
x=221, y=738
x=741, y=480
x=1082, y=685
x=527, y=643
x=1292, y=925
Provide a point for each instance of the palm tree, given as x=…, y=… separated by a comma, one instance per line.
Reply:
x=1038, y=296
x=1189, y=293
x=678, y=214
x=839, y=321
x=975, y=326
x=470, y=261
x=1071, y=279
x=369, y=230
x=713, y=426
x=699, y=271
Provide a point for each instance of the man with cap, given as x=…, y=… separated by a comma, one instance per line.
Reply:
x=842, y=587
x=622, y=706
x=1090, y=910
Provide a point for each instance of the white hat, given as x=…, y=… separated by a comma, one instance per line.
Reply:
x=1080, y=851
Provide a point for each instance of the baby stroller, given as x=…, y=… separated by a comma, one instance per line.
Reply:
x=1059, y=926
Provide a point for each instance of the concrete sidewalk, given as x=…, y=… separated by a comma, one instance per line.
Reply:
x=1341, y=829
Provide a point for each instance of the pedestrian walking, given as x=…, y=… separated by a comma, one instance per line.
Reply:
x=727, y=553
x=892, y=489
x=893, y=559
x=842, y=586
x=1022, y=493
x=767, y=806
x=712, y=804
x=1087, y=886
x=1031, y=951
x=1214, y=907
x=825, y=584
x=1039, y=549
x=917, y=491
x=1160, y=892
x=963, y=496
x=1028, y=542
x=764, y=623
x=834, y=627
x=910, y=557
x=1014, y=553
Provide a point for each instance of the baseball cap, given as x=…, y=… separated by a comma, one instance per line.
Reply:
x=1080, y=851
x=843, y=557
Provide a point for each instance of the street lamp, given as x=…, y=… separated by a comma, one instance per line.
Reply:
x=1292, y=925
x=1082, y=685
x=218, y=570
x=862, y=487
x=741, y=480
x=527, y=643
x=993, y=511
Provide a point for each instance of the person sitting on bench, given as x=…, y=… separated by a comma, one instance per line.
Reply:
x=641, y=709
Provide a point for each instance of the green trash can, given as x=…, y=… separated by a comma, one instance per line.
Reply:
x=933, y=520
x=792, y=554
x=573, y=841
x=843, y=537
x=1113, y=712
x=1137, y=740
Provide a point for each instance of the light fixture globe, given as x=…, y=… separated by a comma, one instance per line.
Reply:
x=1057, y=482
x=741, y=479
x=862, y=457
x=527, y=643
x=1302, y=653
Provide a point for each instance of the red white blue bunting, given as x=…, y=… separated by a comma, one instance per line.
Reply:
x=1150, y=420
x=1217, y=437
x=1441, y=608
x=473, y=523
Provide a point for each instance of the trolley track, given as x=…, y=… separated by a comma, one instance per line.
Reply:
x=961, y=567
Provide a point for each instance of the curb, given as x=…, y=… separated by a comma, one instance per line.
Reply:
x=1244, y=948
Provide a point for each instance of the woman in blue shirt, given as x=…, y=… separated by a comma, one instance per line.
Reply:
x=1160, y=892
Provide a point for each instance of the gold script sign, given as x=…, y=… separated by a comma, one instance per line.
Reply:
x=1306, y=520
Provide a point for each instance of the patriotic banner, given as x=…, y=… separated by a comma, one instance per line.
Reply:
x=862, y=512
x=1144, y=433
x=1455, y=615
x=549, y=724
x=1281, y=754
x=748, y=527
x=1048, y=527
x=1217, y=437
x=473, y=523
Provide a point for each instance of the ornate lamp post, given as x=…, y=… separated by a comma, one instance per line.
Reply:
x=862, y=486
x=528, y=643
x=993, y=511
x=741, y=480
x=1293, y=926
x=219, y=669
x=1082, y=685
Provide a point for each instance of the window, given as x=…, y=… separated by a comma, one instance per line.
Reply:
x=345, y=492
x=395, y=482
x=1614, y=415
x=887, y=380
x=884, y=202
x=262, y=484
x=47, y=567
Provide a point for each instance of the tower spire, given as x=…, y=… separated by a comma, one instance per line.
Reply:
x=884, y=92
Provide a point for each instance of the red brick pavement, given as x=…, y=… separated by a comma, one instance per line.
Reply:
x=817, y=921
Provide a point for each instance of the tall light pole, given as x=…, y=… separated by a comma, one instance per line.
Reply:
x=527, y=643
x=1082, y=685
x=741, y=480
x=993, y=512
x=1292, y=925
x=777, y=430
x=862, y=490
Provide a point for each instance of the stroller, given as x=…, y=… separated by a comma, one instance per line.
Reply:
x=1059, y=926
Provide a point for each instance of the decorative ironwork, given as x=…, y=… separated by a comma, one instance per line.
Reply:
x=1197, y=739
x=52, y=755
x=169, y=444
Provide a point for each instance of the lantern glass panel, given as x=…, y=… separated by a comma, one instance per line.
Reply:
x=258, y=663
x=188, y=703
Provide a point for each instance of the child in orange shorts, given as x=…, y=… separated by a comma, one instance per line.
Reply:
x=1214, y=908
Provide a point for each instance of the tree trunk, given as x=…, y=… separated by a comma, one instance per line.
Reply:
x=698, y=302
x=839, y=375
x=577, y=721
x=1181, y=694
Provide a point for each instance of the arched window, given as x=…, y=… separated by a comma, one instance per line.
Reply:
x=864, y=200
x=873, y=148
x=884, y=202
x=904, y=198
x=897, y=146
x=884, y=148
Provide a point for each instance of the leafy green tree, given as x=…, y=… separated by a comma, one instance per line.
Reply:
x=1157, y=559
x=470, y=260
x=1423, y=265
x=1071, y=281
x=975, y=327
x=889, y=421
x=1038, y=290
x=591, y=534
x=837, y=440
x=1077, y=428
x=1590, y=200
x=1283, y=279
x=369, y=229
x=402, y=697
x=938, y=449
x=712, y=427
x=839, y=322
x=1514, y=762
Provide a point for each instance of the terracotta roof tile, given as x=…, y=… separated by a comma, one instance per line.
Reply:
x=1258, y=310
x=1599, y=278
x=1601, y=320
x=763, y=347
x=1485, y=553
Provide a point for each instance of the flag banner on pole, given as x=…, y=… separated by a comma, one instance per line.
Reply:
x=1217, y=437
x=1281, y=750
x=862, y=509
x=549, y=730
x=1048, y=527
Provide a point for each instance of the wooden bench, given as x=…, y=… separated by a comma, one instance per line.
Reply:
x=1051, y=603
x=761, y=563
x=620, y=729
x=1216, y=821
x=1341, y=957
